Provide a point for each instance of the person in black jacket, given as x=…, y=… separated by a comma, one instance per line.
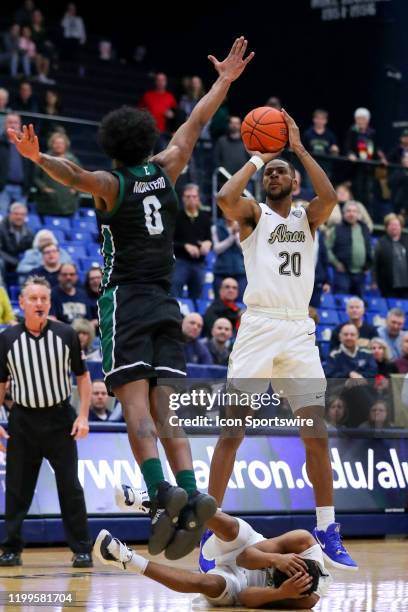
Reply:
x=349, y=249
x=355, y=309
x=15, y=171
x=349, y=360
x=224, y=307
x=321, y=283
x=391, y=260
x=15, y=237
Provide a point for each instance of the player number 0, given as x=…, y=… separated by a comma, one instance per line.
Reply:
x=153, y=218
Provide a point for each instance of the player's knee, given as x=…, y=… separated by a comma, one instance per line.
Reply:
x=210, y=585
x=305, y=539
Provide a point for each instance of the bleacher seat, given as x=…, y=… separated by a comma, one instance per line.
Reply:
x=34, y=222
x=324, y=350
x=202, y=306
x=13, y=292
x=186, y=306
x=59, y=234
x=88, y=213
x=82, y=237
x=343, y=316
x=328, y=317
x=63, y=223
x=207, y=292
x=324, y=332
x=397, y=303
x=327, y=301
x=341, y=299
x=76, y=251
x=94, y=250
x=210, y=260
x=87, y=262
x=374, y=318
x=377, y=304
x=85, y=225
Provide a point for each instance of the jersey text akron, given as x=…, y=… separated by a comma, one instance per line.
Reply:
x=282, y=234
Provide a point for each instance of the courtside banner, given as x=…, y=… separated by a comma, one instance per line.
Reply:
x=370, y=474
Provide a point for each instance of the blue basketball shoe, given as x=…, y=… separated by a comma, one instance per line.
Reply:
x=334, y=552
x=204, y=564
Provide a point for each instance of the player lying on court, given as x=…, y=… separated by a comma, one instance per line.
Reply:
x=276, y=339
x=247, y=569
x=140, y=324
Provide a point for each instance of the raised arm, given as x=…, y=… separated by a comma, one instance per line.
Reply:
x=321, y=207
x=176, y=156
x=101, y=184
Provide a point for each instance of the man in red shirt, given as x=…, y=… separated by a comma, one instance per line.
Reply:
x=159, y=102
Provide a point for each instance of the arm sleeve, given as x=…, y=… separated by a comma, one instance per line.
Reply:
x=4, y=371
x=78, y=363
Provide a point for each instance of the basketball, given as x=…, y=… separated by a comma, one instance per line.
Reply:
x=264, y=130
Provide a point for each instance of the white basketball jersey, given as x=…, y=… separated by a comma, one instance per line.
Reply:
x=279, y=261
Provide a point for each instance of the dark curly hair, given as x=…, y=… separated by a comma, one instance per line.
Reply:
x=128, y=135
x=312, y=569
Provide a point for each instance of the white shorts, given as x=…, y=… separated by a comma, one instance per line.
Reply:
x=225, y=555
x=280, y=351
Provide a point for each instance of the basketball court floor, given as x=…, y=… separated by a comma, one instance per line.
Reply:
x=381, y=584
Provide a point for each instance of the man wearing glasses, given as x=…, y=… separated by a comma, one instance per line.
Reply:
x=69, y=302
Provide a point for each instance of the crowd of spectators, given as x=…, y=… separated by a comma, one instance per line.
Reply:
x=209, y=272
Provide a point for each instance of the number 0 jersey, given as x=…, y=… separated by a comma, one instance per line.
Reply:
x=279, y=261
x=137, y=235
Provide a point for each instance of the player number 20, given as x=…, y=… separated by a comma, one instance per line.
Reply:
x=154, y=222
x=292, y=261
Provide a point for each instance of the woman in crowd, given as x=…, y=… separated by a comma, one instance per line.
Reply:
x=86, y=333
x=378, y=417
x=230, y=260
x=336, y=413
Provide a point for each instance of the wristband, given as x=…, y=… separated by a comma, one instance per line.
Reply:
x=257, y=161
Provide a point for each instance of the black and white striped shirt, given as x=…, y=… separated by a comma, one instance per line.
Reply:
x=40, y=366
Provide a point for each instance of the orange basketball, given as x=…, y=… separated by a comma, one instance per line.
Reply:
x=264, y=130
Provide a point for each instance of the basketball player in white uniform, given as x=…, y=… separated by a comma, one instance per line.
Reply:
x=276, y=339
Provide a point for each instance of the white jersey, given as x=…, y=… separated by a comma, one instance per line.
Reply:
x=279, y=261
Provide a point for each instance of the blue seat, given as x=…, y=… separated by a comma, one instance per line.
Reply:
x=202, y=305
x=343, y=317
x=85, y=225
x=14, y=292
x=81, y=237
x=324, y=332
x=87, y=262
x=324, y=350
x=328, y=317
x=34, y=222
x=210, y=260
x=63, y=223
x=341, y=299
x=87, y=213
x=59, y=234
x=95, y=369
x=207, y=292
x=397, y=303
x=377, y=304
x=76, y=251
x=327, y=301
x=186, y=306
x=93, y=249
x=372, y=318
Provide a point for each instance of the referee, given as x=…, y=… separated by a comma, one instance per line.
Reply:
x=38, y=356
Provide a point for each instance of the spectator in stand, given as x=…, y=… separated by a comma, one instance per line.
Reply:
x=399, y=186
x=98, y=411
x=7, y=316
x=194, y=350
x=401, y=363
x=396, y=154
x=320, y=141
x=361, y=145
x=349, y=360
x=52, y=197
x=86, y=334
x=225, y=306
x=68, y=302
x=385, y=366
x=219, y=345
x=349, y=250
x=15, y=171
x=159, y=102
x=74, y=34
x=4, y=108
x=192, y=243
x=355, y=309
x=25, y=99
x=11, y=52
x=92, y=283
x=24, y=15
x=229, y=150
x=194, y=91
x=27, y=51
x=51, y=106
x=15, y=237
x=45, y=48
x=336, y=413
x=321, y=283
x=230, y=260
x=52, y=103
x=51, y=264
x=344, y=195
x=392, y=332
x=32, y=258
x=274, y=102
x=378, y=417
x=390, y=269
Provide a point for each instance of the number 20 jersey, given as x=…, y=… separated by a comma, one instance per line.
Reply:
x=279, y=261
x=137, y=235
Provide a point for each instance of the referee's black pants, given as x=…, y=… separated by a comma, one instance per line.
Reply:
x=36, y=434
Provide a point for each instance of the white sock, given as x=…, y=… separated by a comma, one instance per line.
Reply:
x=137, y=563
x=325, y=517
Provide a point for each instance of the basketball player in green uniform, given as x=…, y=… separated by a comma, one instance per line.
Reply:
x=140, y=323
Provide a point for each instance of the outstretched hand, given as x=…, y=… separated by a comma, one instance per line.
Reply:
x=26, y=142
x=233, y=66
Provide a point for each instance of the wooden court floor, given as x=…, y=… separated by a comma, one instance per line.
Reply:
x=381, y=584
